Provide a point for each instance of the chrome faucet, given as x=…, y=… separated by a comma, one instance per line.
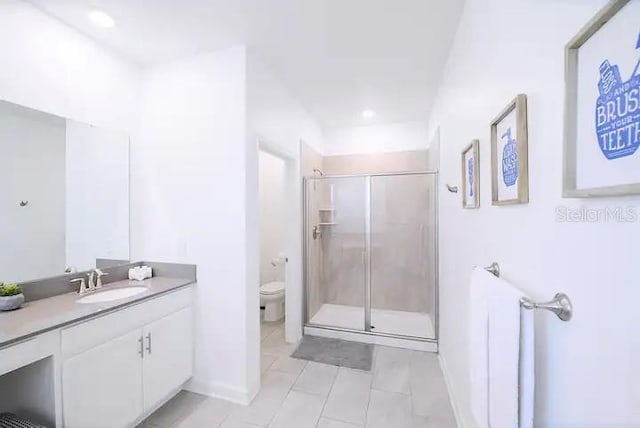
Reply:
x=83, y=285
x=91, y=285
x=99, y=274
x=93, y=282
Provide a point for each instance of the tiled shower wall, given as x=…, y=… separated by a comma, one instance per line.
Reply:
x=343, y=244
x=402, y=268
x=377, y=163
x=403, y=233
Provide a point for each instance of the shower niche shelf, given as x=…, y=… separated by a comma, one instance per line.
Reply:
x=327, y=216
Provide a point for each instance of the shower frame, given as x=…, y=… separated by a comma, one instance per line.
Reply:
x=367, y=292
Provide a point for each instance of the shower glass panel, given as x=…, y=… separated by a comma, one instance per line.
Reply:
x=371, y=254
x=403, y=255
x=336, y=241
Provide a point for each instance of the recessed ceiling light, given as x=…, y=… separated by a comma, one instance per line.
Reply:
x=368, y=114
x=101, y=19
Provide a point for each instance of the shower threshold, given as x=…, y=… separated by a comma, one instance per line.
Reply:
x=385, y=321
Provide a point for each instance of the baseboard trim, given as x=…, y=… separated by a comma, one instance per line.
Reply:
x=452, y=396
x=225, y=392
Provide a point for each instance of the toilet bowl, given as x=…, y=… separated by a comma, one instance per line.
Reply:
x=272, y=298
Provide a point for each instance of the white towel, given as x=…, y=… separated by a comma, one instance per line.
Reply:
x=478, y=353
x=501, y=355
x=510, y=360
x=527, y=368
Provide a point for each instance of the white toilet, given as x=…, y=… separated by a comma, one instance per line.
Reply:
x=272, y=298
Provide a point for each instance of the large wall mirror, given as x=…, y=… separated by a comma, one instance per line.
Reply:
x=64, y=195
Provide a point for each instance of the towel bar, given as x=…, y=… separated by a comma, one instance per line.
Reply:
x=493, y=268
x=559, y=305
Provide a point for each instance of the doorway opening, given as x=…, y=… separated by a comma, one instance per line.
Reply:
x=279, y=242
x=272, y=238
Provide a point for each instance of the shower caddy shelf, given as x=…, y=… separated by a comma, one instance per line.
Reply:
x=327, y=216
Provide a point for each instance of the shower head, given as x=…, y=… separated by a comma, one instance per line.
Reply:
x=320, y=173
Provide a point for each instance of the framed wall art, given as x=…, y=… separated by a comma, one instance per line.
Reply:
x=509, y=155
x=470, y=176
x=602, y=105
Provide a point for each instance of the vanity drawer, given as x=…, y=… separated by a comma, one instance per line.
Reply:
x=89, y=334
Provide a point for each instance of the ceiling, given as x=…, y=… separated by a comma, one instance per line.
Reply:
x=337, y=57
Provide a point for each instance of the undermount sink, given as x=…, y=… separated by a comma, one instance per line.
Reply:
x=109, y=295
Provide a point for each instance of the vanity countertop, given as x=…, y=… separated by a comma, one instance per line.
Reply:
x=39, y=316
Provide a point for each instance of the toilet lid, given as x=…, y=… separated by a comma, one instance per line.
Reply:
x=272, y=288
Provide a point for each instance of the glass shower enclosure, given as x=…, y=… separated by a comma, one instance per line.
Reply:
x=371, y=254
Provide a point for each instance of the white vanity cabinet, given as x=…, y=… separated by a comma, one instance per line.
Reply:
x=102, y=387
x=168, y=356
x=122, y=366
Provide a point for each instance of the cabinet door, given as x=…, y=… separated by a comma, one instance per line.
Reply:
x=168, y=356
x=102, y=387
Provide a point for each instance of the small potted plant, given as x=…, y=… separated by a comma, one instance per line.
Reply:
x=11, y=297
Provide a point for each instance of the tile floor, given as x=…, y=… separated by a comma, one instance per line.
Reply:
x=404, y=389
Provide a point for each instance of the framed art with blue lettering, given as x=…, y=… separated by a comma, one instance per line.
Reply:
x=470, y=176
x=509, y=155
x=602, y=105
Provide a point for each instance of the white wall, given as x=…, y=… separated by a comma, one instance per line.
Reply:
x=189, y=205
x=272, y=212
x=278, y=123
x=588, y=370
x=376, y=138
x=275, y=115
x=32, y=150
x=57, y=70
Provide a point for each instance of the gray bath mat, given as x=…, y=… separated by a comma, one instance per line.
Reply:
x=335, y=352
